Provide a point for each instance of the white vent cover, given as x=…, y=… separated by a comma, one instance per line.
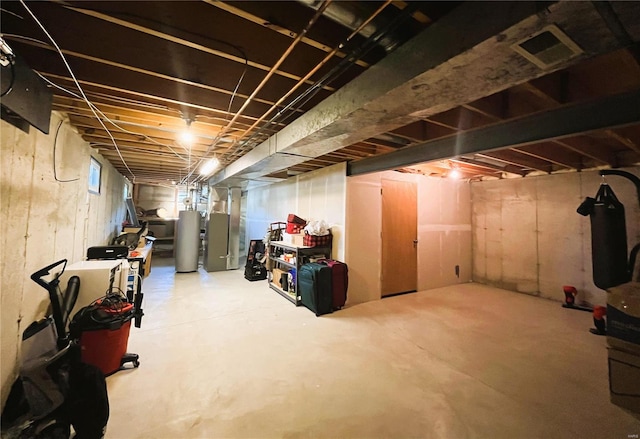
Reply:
x=547, y=47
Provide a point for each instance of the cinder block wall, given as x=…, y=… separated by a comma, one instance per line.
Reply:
x=44, y=220
x=528, y=237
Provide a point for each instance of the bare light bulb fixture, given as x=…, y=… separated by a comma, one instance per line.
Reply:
x=186, y=137
x=209, y=166
x=454, y=174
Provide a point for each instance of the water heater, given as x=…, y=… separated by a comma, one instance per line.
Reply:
x=187, y=250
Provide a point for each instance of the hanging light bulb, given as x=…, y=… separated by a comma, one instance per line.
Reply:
x=454, y=174
x=209, y=166
x=186, y=137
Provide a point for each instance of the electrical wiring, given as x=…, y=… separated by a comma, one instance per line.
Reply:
x=193, y=161
x=26, y=38
x=78, y=85
x=233, y=95
x=235, y=90
x=12, y=13
x=216, y=140
x=104, y=116
x=334, y=73
x=273, y=69
x=55, y=142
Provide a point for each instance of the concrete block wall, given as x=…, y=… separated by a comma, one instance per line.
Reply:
x=44, y=220
x=527, y=236
x=150, y=197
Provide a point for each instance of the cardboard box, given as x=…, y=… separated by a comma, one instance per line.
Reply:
x=624, y=379
x=276, y=275
x=294, y=239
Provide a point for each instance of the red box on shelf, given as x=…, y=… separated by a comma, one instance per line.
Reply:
x=291, y=218
x=294, y=228
x=317, y=241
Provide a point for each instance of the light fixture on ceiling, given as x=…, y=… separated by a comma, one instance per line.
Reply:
x=454, y=174
x=186, y=137
x=209, y=166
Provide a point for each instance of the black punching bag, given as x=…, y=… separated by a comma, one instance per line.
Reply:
x=608, y=238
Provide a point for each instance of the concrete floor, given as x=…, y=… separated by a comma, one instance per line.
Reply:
x=222, y=357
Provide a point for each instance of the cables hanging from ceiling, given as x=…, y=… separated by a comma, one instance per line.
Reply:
x=55, y=143
x=219, y=136
x=327, y=57
x=64, y=60
x=271, y=72
x=352, y=56
x=108, y=119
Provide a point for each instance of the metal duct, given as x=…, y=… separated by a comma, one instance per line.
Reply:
x=352, y=14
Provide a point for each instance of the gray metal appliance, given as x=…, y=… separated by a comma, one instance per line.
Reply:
x=187, y=249
x=216, y=250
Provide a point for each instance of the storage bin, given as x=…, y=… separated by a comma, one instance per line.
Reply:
x=103, y=333
x=317, y=241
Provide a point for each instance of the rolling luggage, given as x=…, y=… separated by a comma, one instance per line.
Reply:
x=314, y=285
x=339, y=281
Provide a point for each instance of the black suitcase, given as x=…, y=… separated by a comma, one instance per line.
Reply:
x=314, y=288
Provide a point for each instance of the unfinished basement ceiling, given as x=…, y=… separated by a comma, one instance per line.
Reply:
x=273, y=89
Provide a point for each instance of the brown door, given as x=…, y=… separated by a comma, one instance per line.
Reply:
x=399, y=237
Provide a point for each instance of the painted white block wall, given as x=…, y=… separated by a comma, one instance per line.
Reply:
x=44, y=220
x=317, y=195
x=444, y=233
x=527, y=236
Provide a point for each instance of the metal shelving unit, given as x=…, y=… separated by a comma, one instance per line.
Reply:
x=302, y=256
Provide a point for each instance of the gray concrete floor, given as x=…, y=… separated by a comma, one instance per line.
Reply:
x=222, y=357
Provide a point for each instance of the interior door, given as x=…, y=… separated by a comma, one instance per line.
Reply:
x=399, y=237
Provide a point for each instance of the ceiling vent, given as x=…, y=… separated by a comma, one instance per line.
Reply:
x=547, y=47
